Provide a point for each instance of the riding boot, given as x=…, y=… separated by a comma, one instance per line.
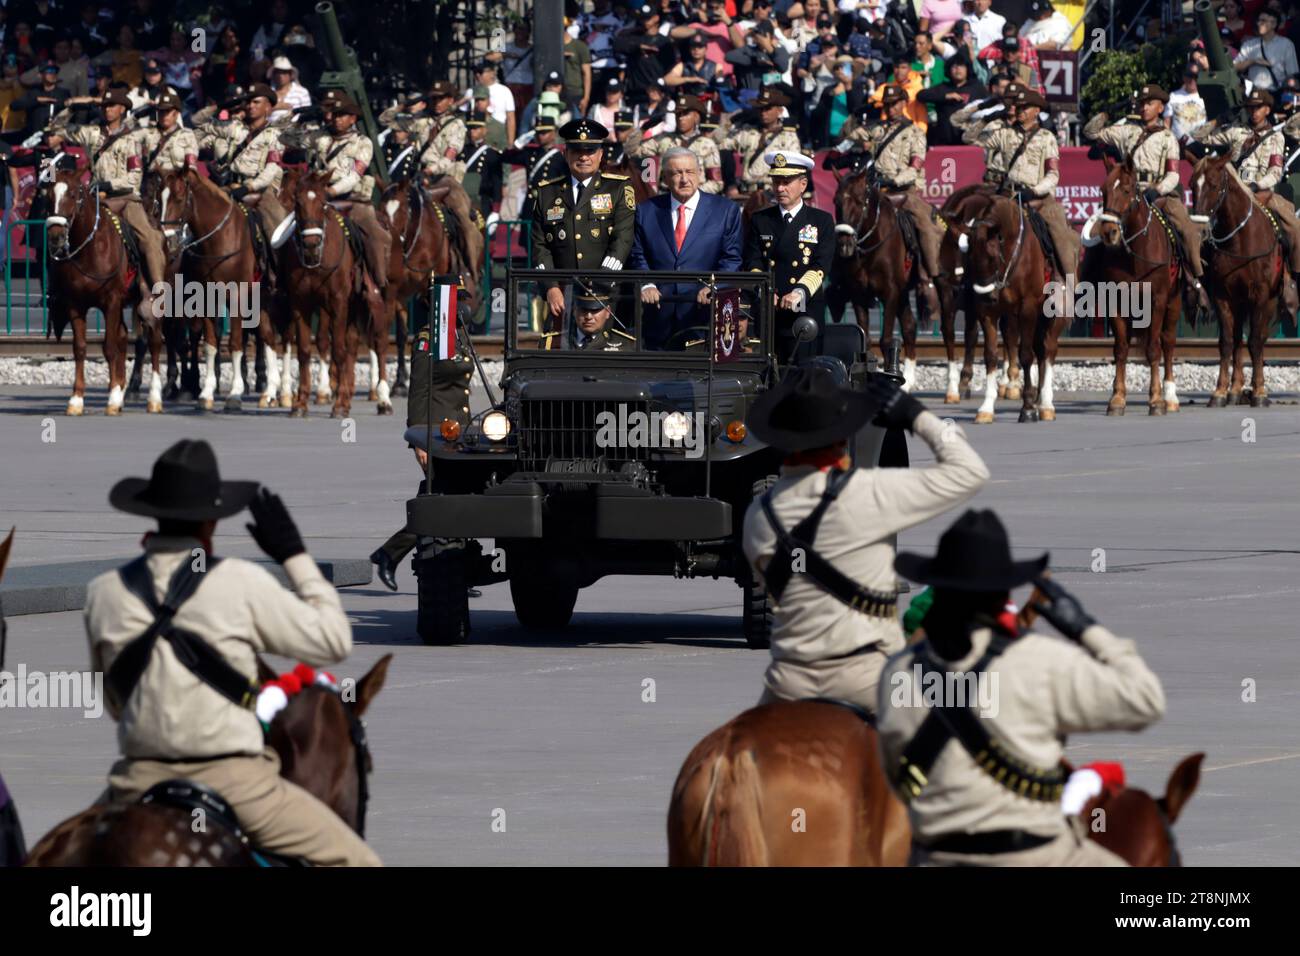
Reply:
x=137, y=368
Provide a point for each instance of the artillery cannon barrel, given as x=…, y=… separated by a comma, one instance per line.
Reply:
x=1209, y=27
x=343, y=57
x=349, y=72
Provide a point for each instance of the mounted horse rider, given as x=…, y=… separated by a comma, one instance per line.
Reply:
x=687, y=135
x=440, y=156
x=1259, y=154
x=346, y=155
x=1033, y=169
x=978, y=122
x=167, y=145
x=822, y=539
x=980, y=768
x=1155, y=155
x=116, y=166
x=754, y=144
x=898, y=151
x=248, y=163
x=178, y=631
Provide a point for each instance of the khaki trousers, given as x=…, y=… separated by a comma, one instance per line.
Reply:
x=854, y=679
x=277, y=815
x=1071, y=848
x=1285, y=213
x=927, y=229
x=1177, y=215
x=151, y=239
x=1064, y=238
x=377, y=240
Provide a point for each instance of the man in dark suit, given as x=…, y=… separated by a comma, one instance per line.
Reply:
x=796, y=243
x=683, y=230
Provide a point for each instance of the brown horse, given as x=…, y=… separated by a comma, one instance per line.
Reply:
x=211, y=236
x=1135, y=246
x=321, y=743
x=1008, y=272
x=1244, y=278
x=89, y=268
x=1138, y=827
x=787, y=784
x=319, y=272
x=962, y=207
x=643, y=188
x=873, y=262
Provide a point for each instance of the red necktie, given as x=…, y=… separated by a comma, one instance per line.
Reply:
x=681, y=226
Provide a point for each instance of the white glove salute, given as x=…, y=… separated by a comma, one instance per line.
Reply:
x=612, y=264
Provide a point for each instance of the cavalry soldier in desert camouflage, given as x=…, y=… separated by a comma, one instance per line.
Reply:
x=1034, y=168
x=168, y=146
x=116, y=164
x=754, y=144
x=1259, y=153
x=1155, y=154
x=346, y=154
x=898, y=148
x=687, y=135
x=445, y=137
x=978, y=122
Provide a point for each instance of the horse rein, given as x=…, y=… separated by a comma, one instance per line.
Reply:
x=1217, y=241
x=70, y=256
x=187, y=247
x=1117, y=217
x=1001, y=284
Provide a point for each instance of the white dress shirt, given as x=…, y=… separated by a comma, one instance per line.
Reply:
x=789, y=214
x=987, y=28
x=691, y=205
x=576, y=186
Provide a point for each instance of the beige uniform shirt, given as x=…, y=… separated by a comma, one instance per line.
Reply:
x=978, y=131
x=902, y=161
x=753, y=145
x=180, y=147
x=120, y=166
x=857, y=536
x=257, y=165
x=446, y=136
x=1037, y=168
x=241, y=610
x=348, y=159
x=1155, y=159
x=1262, y=168
x=418, y=125
x=704, y=148
x=1046, y=687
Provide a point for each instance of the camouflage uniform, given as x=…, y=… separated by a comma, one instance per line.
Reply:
x=1155, y=154
x=898, y=148
x=347, y=157
x=704, y=148
x=166, y=152
x=1036, y=169
x=443, y=142
x=1259, y=156
x=117, y=166
x=978, y=131
x=256, y=168
x=752, y=144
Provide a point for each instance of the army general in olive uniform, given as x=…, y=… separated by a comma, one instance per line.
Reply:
x=585, y=220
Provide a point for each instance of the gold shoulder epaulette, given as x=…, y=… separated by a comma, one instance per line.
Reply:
x=620, y=332
x=612, y=176
x=551, y=182
x=694, y=342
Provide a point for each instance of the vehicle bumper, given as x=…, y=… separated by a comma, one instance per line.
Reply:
x=527, y=510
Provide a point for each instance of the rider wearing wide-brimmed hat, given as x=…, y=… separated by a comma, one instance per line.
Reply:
x=833, y=627
x=972, y=720
x=197, y=720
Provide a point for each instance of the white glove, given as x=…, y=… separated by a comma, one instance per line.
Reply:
x=980, y=114
x=843, y=146
x=34, y=140
x=612, y=264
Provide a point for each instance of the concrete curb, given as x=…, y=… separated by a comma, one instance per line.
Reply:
x=49, y=588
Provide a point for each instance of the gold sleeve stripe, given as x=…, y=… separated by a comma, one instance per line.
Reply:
x=811, y=280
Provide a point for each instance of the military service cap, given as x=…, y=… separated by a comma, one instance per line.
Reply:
x=544, y=123
x=1259, y=98
x=168, y=101
x=1029, y=97
x=262, y=90
x=584, y=133
x=442, y=88
x=787, y=164
x=688, y=102
x=336, y=101
x=116, y=98
x=769, y=98
x=623, y=120
x=892, y=94
x=477, y=118
x=1151, y=92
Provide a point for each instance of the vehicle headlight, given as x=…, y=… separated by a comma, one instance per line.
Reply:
x=676, y=426
x=496, y=426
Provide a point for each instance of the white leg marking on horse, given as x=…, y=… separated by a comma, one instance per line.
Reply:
x=990, y=394
x=1045, y=396
x=76, y=401
x=909, y=374
x=1033, y=374
x=115, y=397
x=209, y=372
x=1002, y=373
x=286, y=389
x=954, y=377
x=374, y=369
x=236, y=375
x=272, y=370
x=155, y=387
x=1171, y=393
x=383, y=393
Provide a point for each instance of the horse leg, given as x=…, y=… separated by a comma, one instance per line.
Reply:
x=1155, y=395
x=992, y=392
x=1046, y=363
x=1168, y=342
x=1028, y=332
x=77, y=403
x=302, y=330
x=171, y=335
x=209, y=387
x=234, y=399
x=909, y=344
x=343, y=359
x=1119, y=390
x=155, y=400
x=971, y=343
x=1238, y=354
x=1219, y=397
x=947, y=328
x=1258, y=332
x=116, y=343
x=399, y=313
x=379, y=351
x=270, y=381
x=137, y=364
x=290, y=335
x=324, y=352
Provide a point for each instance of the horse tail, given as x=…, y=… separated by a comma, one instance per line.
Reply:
x=716, y=814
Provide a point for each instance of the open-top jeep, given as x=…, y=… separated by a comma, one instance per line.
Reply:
x=601, y=456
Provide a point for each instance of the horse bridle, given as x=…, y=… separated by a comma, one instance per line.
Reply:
x=1001, y=284
x=361, y=752
x=873, y=192
x=312, y=227
x=187, y=247
x=1217, y=241
x=70, y=255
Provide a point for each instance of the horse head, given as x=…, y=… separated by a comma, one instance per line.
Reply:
x=1211, y=186
x=857, y=209
x=989, y=242
x=175, y=202
x=320, y=737
x=1138, y=827
x=309, y=206
x=66, y=197
x=1119, y=194
x=395, y=205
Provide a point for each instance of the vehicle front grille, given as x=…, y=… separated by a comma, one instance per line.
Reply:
x=566, y=430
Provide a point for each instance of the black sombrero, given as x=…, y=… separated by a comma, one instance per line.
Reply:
x=974, y=555
x=185, y=485
x=808, y=410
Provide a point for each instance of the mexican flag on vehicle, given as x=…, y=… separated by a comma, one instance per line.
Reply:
x=442, y=324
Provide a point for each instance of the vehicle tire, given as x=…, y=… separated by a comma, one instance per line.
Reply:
x=756, y=613
x=443, y=593
x=542, y=603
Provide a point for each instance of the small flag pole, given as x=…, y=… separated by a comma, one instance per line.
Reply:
x=435, y=303
x=708, y=400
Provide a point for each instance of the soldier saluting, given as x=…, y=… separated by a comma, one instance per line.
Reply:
x=1155, y=155
x=688, y=134
x=755, y=145
x=585, y=219
x=1259, y=153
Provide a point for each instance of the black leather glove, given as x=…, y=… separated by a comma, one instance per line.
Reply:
x=1065, y=612
x=898, y=409
x=274, y=531
x=238, y=193
x=1150, y=194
